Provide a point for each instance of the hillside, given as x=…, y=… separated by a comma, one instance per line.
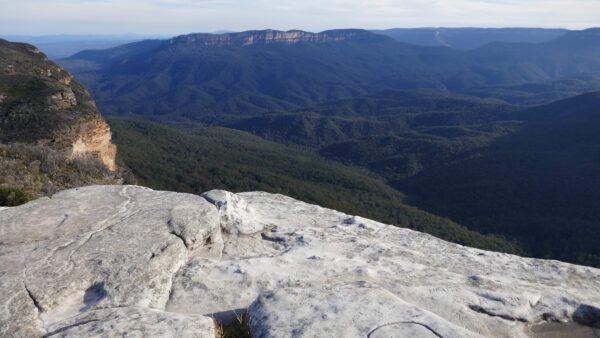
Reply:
x=540, y=185
x=195, y=160
x=470, y=38
x=394, y=134
x=52, y=136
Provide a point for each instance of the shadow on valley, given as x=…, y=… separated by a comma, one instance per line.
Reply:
x=539, y=186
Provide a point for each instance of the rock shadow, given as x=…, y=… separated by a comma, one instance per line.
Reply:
x=587, y=315
x=585, y=324
x=228, y=317
x=93, y=295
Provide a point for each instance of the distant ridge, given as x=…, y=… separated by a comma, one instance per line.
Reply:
x=262, y=37
x=470, y=37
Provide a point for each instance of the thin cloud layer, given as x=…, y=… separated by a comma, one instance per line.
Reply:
x=167, y=17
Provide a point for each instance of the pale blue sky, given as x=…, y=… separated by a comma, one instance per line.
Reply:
x=170, y=17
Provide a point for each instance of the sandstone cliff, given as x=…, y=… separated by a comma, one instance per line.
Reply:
x=107, y=261
x=40, y=103
x=264, y=37
x=51, y=133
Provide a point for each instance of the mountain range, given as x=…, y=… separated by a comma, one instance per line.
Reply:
x=347, y=183
x=191, y=77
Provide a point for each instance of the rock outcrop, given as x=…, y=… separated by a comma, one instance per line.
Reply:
x=108, y=260
x=40, y=103
x=52, y=136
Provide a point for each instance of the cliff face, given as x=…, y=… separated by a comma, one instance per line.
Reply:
x=265, y=37
x=40, y=103
x=51, y=134
x=95, y=138
x=166, y=264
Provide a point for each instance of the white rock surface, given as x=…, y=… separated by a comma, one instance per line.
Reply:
x=94, y=248
x=133, y=322
x=102, y=261
x=236, y=216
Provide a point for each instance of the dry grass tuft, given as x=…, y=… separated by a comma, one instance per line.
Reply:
x=239, y=328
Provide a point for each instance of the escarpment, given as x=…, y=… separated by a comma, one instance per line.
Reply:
x=265, y=37
x=42, y=104
x=52, y=136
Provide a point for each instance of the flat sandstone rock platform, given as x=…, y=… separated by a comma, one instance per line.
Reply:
x=109, y=260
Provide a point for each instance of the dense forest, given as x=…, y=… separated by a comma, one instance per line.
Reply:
x=188, y=79
x=540, y=185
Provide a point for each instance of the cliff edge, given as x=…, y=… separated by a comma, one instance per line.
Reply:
x=112, y=260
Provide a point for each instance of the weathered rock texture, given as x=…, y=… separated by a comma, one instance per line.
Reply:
x=41, y=103
x=108, y=260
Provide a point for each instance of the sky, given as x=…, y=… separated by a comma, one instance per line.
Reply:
x=172, y=17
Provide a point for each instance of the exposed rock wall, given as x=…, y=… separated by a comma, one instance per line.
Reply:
x=108, y=260
x=250, y=38
x=95, y=139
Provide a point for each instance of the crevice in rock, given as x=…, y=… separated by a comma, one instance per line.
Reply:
x=58, y=248
x=91, y=235
x=36, y=304
x=485, y=311
x=64, y=220
x=273, y=239
x=216, y=204
x=174, y=275
x=405, y=322
x=34, y=300
x=65, y=328
x=172, y=232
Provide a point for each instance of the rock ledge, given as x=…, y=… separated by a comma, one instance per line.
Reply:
x=109, y=260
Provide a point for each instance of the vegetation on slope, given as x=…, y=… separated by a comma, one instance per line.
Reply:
x=395, y=134
x=540, y=185
x=44, y=113
x=30, y=171
x=197, y=160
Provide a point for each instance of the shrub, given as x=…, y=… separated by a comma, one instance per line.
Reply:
x=10, y=197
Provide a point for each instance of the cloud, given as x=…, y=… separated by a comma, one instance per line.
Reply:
x=168, y=17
